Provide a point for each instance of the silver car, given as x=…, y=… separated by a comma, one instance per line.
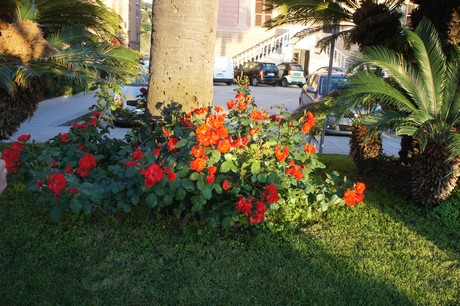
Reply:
x=314, y=91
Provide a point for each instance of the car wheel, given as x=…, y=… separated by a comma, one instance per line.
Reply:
x=284, y=82
x=255, y=82
x=300, y=85
x=229, y=83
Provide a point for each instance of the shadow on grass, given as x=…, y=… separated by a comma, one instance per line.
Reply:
x=142, y=259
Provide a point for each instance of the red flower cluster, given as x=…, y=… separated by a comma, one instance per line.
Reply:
x=211, y=174
x=153, y=174
x=72, y=190
x=56, y=182
x=355, y=196
x=12, y=156
x=64, y=136
x=309, y=123
x=82, y=126
x=137, y=155
x=241, y=102
x=244, y=206
x=259, y=214
x=172, y=144
x=271, y=194
x=295, y=171
x=24, y=137
x=225, y=185
x=281, y=155
x=85, y=164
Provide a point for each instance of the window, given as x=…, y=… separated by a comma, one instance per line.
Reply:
x=262, y=14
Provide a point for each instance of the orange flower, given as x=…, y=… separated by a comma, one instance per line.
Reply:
x=350, y=197
x=253, y=131
x=309, y=149
x=223, y=146
x=221, y=131
x=218, y=109
x=231, y=104
x=212, y=170
x=242, y=106
x=256, y=115
x=281, y=155
x=198, y=151
x=198, y=164
x=360, y=187
x=309, y=123
x=203, y=135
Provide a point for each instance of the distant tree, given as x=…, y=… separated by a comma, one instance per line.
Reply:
x=444, y=14
x=182, y=56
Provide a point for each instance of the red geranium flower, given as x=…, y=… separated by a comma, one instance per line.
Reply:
x=231, y=104
x=203, y=135
x=64, y=137
x=156, y=152
x=56, y=182
x=85, y=164
x=24, y=137
x=153, y=174
x=172, y=176
x=172, y=143
x=137, y=155
x=360, y=187
x=225, y=185
x=271, y=194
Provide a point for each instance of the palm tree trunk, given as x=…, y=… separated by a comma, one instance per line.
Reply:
x=434, y=179
x=365, y=150
x=184, y=33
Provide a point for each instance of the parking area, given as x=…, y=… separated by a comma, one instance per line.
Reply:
x=53, y=115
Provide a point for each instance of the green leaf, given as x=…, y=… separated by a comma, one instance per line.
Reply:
x=228, y=156
x=181, y=143
x=201, y=184
x=180, y=194
x=188, y=185
x=195, y=176
x=262, y=178
x=167, y=200
x=227, y=222
x=215, y=156
x=255, y=167
x=225, y=167
x=206, y=192
x=151, y=200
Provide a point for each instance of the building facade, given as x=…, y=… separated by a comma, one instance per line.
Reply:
x=129, y=11
x=241, y=35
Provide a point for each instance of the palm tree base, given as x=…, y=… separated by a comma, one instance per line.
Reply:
x=434, y=178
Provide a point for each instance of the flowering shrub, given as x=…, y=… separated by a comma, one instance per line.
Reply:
x=243, y=167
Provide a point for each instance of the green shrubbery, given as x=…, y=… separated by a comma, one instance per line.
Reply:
x=224, y=168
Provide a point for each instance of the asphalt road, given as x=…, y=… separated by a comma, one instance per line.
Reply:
x=265, y=96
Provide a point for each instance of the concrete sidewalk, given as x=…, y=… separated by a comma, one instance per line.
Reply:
x=55, y=116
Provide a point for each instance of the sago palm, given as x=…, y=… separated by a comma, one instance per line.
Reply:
x=350, y=17
x=423, y=90
x=77, y=54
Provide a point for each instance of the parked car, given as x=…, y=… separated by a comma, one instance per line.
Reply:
x=259, y=73
x=223, y=70
x=314, y=91
x=291, y=74
x=130, y=105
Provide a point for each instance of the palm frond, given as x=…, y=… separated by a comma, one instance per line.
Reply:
x=66, y=37
x=454, y=145
x=6, y=80
x=370, y=86
x=430, y=61
x=404, y=74
x=451, y=95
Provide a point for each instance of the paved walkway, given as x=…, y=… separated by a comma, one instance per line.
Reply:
x=55, y=115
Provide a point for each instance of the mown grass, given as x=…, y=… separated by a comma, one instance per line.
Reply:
x=383, y=252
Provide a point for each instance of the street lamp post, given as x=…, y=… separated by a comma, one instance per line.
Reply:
x=328, y=87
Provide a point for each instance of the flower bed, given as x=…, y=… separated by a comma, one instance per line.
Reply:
x=241, y=167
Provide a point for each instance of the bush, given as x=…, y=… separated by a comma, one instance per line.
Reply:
x=448, y=212
x=227, y=169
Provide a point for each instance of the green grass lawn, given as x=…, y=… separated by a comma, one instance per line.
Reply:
x=383, y=252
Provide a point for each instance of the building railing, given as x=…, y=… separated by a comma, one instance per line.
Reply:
x=262, y=50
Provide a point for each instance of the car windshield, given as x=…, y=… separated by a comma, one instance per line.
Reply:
x=269, y=67
x=337, y=82
x=296, y=68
